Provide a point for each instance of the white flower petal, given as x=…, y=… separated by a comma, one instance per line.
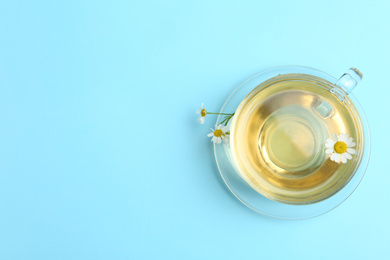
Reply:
x=218, y=140
x=330, y=141
x=335, y=157
x=330, y=144
x=335, y=138
x=225, y=129
x=352, y=144
x=348, y=156
x=349, y=141
x=343, y=158
x=198, y=112
x=343, y=137
x=210, y=134
x=201, y=120
x=329, y=151
x=214, y=139
x=202, y=105
x=226, y=140
x=351, y=150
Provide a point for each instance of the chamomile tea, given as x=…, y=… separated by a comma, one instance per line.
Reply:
x=278, y=138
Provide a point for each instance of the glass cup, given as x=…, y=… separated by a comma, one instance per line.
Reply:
x=276, y=162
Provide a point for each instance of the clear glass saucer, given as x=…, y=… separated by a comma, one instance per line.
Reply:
x=254, y=200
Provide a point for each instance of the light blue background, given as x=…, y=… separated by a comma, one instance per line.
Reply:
x=101, y=156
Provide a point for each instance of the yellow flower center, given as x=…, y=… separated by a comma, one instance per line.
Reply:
x=218, y=133
x=203, y=112
x=340, y=147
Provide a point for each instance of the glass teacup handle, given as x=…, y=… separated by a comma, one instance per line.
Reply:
x=347, y=82
x=343, y=86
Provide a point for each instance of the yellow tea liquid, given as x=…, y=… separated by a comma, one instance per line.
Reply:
x=278, y=138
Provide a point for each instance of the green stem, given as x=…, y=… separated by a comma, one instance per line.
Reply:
x=219, y=113
x=223, y=121
x=228, y=119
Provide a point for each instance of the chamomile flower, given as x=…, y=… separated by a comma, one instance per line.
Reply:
x=220, y=133
x=203, y=113
x=340, y=148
